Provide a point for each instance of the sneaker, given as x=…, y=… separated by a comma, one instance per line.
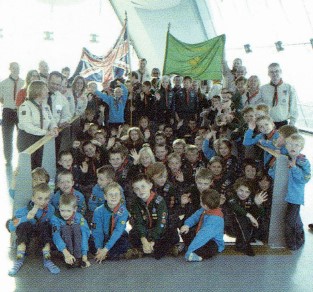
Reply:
x=51, y=266
x=181, y=247
x=194, y=258
x=133, y=253
x=16, y=267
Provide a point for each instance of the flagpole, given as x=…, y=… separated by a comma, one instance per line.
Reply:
x=129, y=60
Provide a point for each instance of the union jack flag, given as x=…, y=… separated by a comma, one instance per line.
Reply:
x=104, y=69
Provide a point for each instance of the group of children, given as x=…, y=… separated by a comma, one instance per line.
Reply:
x=168, y=185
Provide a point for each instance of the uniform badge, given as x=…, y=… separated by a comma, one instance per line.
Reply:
x=93, y=225
x=123, y=222
x=153, y=210
x=82, y=222
x=93, y=198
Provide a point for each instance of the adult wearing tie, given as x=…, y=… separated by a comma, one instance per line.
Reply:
x=58, y=104
x=8, y=92
x=281, y=97
x=35, y=120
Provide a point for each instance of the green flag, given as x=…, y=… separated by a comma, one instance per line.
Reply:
x=201, y=61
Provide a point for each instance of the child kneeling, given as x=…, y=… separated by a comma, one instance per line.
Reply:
x=71, y=233
x=206, y=240
x=34, y=219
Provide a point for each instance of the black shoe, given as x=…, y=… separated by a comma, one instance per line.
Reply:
x=311, y=226
x=249, y=251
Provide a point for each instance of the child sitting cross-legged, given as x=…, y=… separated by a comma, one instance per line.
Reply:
x=71, y=233
x=109, y=227
x=32, y=220
x=206, y=239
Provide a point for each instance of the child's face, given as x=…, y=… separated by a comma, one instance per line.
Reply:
x=216, y=168
x=41, y=199
x=265, y=127
x=145, y=88
x=90, y=116
x=65, y=183
x=203, y=184
x=113, y=197
x=224, y=150
x=67, y=211
x=198, y=143
x=134, y=136
x=103, y=180
x=168, y=132
x=264, y=184
x=66, y=161
x=142, y=189
x=100, y=138
x=192, y=124
x=280, y=141
x=249, y=116
x=187, y=83
x=294, y=148
x=241, y=86
x=192, y=156
x=38, y=179
x=90, y=150
x=160, y=140
x=174, y=165
x=118, y=92
x=160, y=152
x=160, y=179
x=243, y=193
x=116, y=160
x=145, y=159
x=250, y=172
x=179, y=149
x=144, y=123
x=215, y=102
x=259, y=113
x=165, y=83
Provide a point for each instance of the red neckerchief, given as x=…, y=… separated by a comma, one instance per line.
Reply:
x=44, y=213
x=122, y=167
x=112, y=220
x=70, y=220
x=151, y=197
x=214, y=212
x=250, y=97
x=275, y=96
x=271, y=134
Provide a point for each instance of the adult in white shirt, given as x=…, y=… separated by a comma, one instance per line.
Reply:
x=35, y=120
x=77, y=96
x=143, y=74
x=252, y=96
x=8, y=92
x=281, y=97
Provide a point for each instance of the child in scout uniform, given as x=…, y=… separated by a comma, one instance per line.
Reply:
x=71, y=233
x=149, y=213
x=109, y=227
x=31, y=220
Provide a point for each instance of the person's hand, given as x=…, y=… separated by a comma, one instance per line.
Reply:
x=53, y=132
x=84, y=167
x=254, y=222
x=95, y=142
x=101, y=255
x=184, y=229
x=260, y=198
x=31, y=214
x=85, y=260
x=119, y=132
x=68, y=257
x=76, y=144
x=134, y=154
x=292, y=163
x=111, y=143
x=146, y=246
x=157, y=96
x=209, y=135
x=86, y=127
x=252, y=125
x=180, y=123
x=185, y=199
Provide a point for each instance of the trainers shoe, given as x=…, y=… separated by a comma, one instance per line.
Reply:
x=16, y=267
x=194, y=258
x=248, y=250
x=174, y=251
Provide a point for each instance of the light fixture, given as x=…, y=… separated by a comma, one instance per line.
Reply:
x=247, y=48
x=279, y=46
x=93, y=38
x=48, y=35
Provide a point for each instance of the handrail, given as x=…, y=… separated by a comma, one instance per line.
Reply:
x=31, y=149
x=270, y=151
